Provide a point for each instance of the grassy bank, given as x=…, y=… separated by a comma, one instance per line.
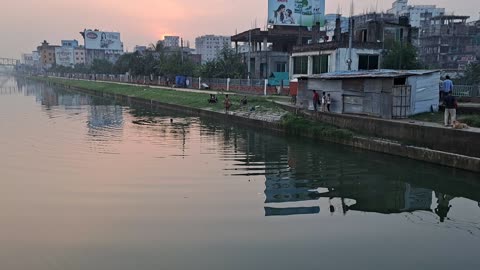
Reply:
x=293, y=124
x=190, y=99
x=472, y=120
x=299, y=125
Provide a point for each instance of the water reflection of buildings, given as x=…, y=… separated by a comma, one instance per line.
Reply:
x=50, y=96
x=105, y=116
x=301, y=177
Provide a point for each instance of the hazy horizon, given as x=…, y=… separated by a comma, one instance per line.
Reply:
x=26, y=23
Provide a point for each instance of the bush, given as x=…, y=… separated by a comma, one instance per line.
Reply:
x=299, y=125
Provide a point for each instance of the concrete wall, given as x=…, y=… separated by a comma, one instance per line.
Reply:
x=462, y=142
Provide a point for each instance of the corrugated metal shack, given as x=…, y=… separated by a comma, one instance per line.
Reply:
x=380, y=93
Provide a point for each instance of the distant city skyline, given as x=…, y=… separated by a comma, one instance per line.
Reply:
x=24, y=24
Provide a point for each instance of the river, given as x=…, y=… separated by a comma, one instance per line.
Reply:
x=89, y=184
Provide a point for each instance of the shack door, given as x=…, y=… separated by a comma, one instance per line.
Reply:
x=401, y=101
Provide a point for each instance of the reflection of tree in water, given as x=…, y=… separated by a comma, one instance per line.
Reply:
x=171, y=125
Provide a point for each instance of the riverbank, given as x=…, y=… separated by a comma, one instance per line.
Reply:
x=267, y=115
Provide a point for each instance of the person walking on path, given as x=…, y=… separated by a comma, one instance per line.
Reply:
x=329, y=102
x=447, y=86
x=227, y=104
x=316, y=100
x=450, y=109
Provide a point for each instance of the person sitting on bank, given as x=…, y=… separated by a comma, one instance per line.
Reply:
x=244, y=101
x=450, y=109
x=213, y=99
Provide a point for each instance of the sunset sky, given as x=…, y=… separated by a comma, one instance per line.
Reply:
x=25, y=23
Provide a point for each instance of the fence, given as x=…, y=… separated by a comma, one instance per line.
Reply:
x=248, y=86
x=466, y=91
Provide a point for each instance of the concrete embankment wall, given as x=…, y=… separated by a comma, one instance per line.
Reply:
x=418, y=153
x=462, y=142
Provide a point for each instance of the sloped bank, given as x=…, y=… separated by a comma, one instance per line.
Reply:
x=294, y=125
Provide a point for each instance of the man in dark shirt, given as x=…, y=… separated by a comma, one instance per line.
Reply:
x=450, y=109
x=316, y=100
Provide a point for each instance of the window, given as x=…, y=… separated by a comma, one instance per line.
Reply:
x=300, y=65
x=281, y=66
x=320, y=64
x=367, y=61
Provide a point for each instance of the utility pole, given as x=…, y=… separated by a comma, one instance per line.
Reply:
x=350, y=38
x=249, y=48
x=181, y=48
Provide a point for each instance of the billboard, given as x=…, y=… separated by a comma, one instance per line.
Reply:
x=98, y=40
x=296, y=12
x=64, y=56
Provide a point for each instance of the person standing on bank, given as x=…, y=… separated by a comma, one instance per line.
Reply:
x=329, y=102
x=324, y=102
x=227, y=103
x=316, y=100
x=447, y=86
x=450, y=109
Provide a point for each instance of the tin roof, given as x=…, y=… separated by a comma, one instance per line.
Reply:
x=380, y=73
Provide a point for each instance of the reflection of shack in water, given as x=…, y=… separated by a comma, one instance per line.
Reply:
x=105, y=116
x=370, y=195
x=311, y=175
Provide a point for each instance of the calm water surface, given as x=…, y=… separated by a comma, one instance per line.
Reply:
x=88, y=184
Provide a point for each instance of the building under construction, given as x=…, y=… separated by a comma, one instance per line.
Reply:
x=269, y=50
x=447, y=43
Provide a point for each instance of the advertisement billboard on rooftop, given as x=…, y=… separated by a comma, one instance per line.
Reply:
x=98, y=40
x=64, y=56
x=296, y=12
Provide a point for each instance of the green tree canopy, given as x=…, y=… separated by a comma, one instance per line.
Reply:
x=472, y=74
x=101, y=66
x=228, y=65
x=401, y=56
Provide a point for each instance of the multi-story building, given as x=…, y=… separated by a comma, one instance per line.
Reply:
x=209, y=46
x=27, y=59
x=70, y=43
x=36, y=58
x=419, y=15
x=373, y=34
x=140, y=48
x=446, y=43
x=64, y=56
x=267, y=51
x=79, y=55
x=47, y=54
x=330, y=24
x=102, y=45
x=171, y=41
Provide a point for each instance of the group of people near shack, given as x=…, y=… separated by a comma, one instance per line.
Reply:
x=325, y=102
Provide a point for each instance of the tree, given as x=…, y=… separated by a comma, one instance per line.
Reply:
x=401, y=56
x=228, y=65
x=472, y=74
x=101, y=66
